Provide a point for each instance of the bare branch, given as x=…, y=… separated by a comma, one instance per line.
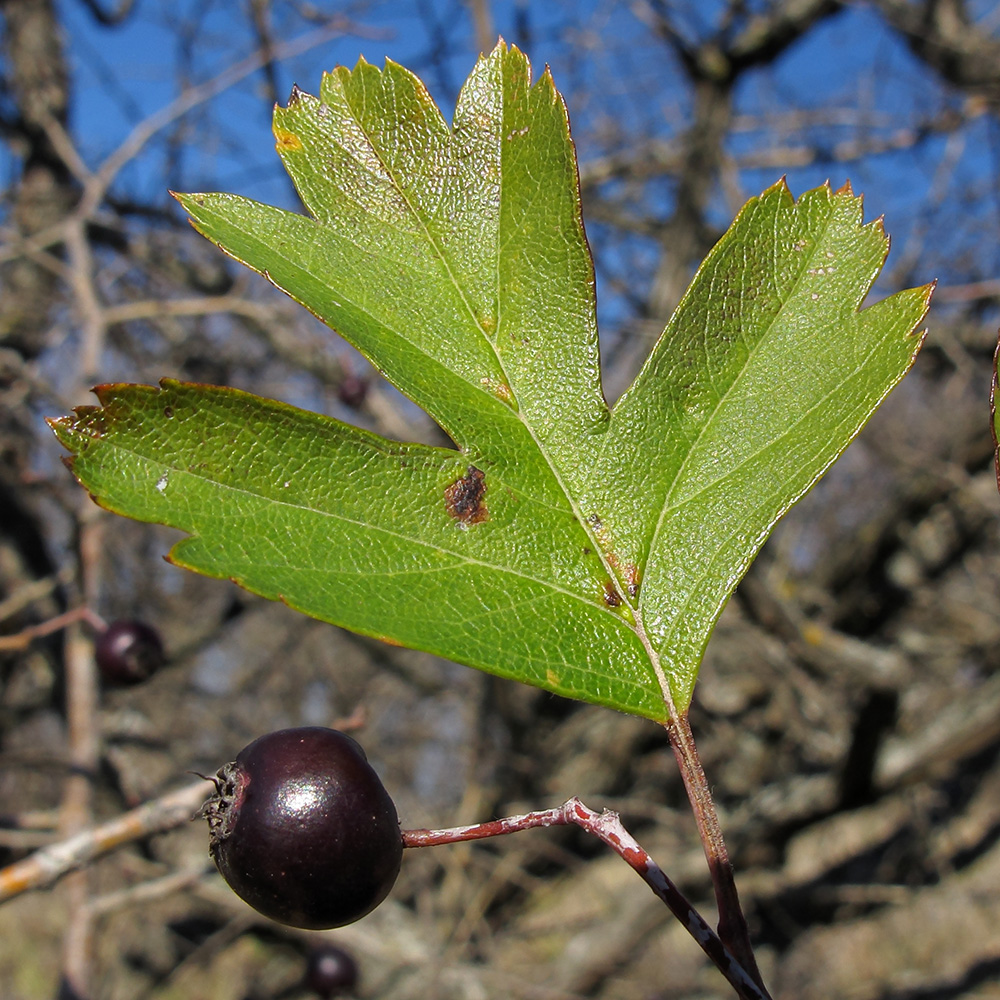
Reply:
x=941, y=33
x=53, y=862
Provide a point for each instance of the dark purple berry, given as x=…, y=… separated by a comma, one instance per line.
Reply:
x=352, y=390
x=128, y=652
x=303, y=830
x=330, y=971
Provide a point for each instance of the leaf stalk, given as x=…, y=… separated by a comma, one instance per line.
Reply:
x=733, y=930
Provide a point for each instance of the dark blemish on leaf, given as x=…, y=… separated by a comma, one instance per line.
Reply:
x=294, y=96
x=611, y=596
x=587, y=550
x=285, y=141
x=632, y=580
x=501, y=390
x=464, y=498
x=168, y=411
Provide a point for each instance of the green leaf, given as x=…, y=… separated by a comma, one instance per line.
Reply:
x=367, y=533
x=586, y=551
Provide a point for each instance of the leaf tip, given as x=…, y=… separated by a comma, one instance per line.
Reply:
x=779, y=189
x=186, y=198
x=926, y=293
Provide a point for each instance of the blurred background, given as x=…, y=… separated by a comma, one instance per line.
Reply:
x=849, y=708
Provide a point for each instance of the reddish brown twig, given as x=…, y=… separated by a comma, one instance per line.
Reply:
x=733, y=928
x=608, y=827
x=24, y=638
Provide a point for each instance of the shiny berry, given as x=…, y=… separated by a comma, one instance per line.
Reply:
x=330, y=971
x=303, y=830
x=128, y=652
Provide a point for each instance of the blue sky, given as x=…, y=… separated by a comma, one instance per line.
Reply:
x=621, y=83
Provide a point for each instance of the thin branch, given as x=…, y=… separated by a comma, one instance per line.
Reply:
x=26, y=595
x=110, y=18
x=51, y=863
x=24, y=638
x=482, y=22
x=191, y=98
x=96, y=183
x=127, y=312
x=145, y=892
x=608, y=827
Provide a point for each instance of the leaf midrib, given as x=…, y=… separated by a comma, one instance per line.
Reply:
x=461, y=557
x=666, y=507
x=519, y=412
x=682, y=614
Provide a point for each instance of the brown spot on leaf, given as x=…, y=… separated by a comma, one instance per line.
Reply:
x=285, y=141
x=501, y=390
x=464, y=498
x=168, y=411
x=611, y=596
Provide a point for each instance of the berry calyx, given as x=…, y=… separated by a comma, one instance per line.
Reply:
x=303, y=830
x=330, y=971
x=128, y=652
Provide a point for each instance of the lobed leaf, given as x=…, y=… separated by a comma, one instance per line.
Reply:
x=396, y=541
x=583, y=550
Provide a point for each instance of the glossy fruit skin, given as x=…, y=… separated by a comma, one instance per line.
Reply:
x=128, y=652
x=303, y=829
x=330, y=971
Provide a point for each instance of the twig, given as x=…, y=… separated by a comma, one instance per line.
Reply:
x=482, y=21
x=608, y=827
x=96, y=182
x=24, y=638
x=53, y=862
x=732, y=924
x=145, y=892
x=191, y=98
x=81, y=707
x=84, y=756
x=203, y=305
x=27, y=594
